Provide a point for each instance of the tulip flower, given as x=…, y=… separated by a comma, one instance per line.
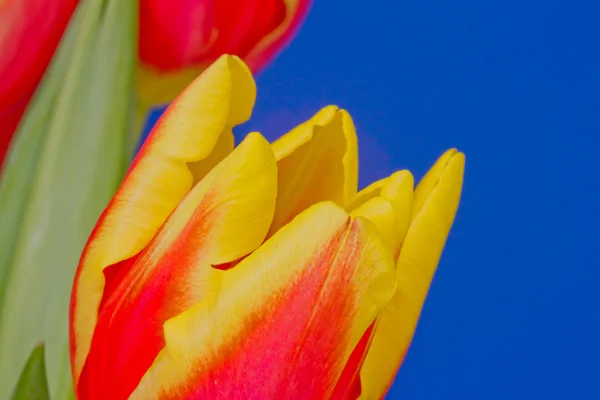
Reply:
x=180, y=38
x=29, y=33
x=254, y=272
x=177, y=40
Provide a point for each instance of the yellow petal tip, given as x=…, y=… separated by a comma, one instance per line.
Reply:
x=451, y=158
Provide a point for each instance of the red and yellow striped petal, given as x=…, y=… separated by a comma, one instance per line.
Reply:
x=436, y=201
x=223, y=218
x=316, y=161
x=196, y=127
x=284, y=321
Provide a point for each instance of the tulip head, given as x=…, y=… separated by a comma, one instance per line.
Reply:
x=258, y=271
x=29, y=33
x=180, y=38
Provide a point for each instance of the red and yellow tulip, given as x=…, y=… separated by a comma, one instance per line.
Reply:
x=177, y=40
x=29, y=33
x=254, y=272
x=180, y=38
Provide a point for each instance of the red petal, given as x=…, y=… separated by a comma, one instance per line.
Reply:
x=30, y=31
x=348, y=386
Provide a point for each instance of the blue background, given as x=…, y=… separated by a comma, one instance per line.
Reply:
x=514, y=310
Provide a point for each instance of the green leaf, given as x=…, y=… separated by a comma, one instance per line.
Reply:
x=32, y=384
x=67, y=161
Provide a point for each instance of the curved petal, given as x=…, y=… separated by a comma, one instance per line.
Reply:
x=380, y=212
x=175, y=33
x=437, y=198
x=316, y=161
x=399, y=191
x=284, y=321
x=431, y=180
x=30, y=31
x=159, y=178
x=388, y=204
x=267, y=48
x=243, y=24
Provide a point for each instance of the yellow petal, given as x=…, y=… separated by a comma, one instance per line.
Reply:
x=317, y=161
x=430, y=180
x=438, y=196
x=372, y=203
x=399, y=191
x=287, y=317
x=196, y=127
x=381, y=213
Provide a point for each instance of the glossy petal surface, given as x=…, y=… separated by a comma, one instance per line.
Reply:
x=288, y=316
